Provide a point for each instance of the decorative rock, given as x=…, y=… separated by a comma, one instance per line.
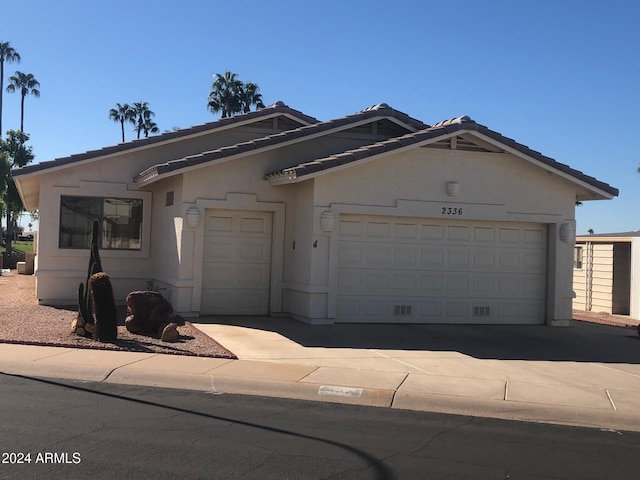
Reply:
x=149, y=313
x=170, y=333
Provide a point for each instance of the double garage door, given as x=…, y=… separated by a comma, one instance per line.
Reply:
x=393, y=269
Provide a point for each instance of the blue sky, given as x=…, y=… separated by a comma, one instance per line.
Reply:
x=561, y=76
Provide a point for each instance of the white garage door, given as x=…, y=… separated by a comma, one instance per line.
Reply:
x=407, y=270
x=237, y=263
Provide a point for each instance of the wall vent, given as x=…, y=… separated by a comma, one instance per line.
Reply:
x=402, y=310
x=481, y=311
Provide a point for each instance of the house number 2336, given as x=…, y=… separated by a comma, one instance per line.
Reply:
x=451, y=211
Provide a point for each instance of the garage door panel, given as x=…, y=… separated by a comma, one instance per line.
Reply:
x=432, y=257
x=236, y=263
x=454, y=271
x=484, y=286
x=509, y=235
x=378, y=256
x=484, y=234
x=407, y=231
x=432, y=232
x=432, y=284
x=457, y=259
x=455, y=233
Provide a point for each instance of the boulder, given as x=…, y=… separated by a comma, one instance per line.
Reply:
x=149, y=313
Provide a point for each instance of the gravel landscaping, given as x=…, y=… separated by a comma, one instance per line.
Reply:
x=23, y=321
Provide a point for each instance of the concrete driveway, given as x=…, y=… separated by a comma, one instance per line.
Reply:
x=584, y=374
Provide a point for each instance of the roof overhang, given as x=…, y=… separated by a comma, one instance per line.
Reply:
x=595, y=193
x=29, y=191
x=588, y=187
x=271, y=142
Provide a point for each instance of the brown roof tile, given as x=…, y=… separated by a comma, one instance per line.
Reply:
x=288, y=135
x=278, y=107
x=441, y=129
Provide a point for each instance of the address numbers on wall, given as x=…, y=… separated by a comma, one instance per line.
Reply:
x=450, y=211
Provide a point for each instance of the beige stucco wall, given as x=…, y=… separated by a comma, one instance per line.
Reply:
x=59, y=271
x=493, y=187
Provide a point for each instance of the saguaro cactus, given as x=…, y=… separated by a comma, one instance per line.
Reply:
x=84, y=324
x=95, y=266
x=104, y=309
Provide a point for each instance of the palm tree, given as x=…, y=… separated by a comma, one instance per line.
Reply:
x=250, y=95
x=149, y=126
x=141, y=113
x=122, y=113
x=225, y=94
x=8, y=54
x=25, y=83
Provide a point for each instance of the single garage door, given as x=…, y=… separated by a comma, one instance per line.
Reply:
x=237, y=263
x=408, y=270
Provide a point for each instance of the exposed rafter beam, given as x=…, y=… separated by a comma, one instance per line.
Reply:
x=481, y=143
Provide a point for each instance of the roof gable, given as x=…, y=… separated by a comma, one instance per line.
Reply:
x=377, y=120
x=474, y=137
x=278, y=113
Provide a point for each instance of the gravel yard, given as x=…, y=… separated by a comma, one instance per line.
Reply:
x=22, y=320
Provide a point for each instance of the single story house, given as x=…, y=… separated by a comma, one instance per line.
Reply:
x=606, y=273
x=371, y=217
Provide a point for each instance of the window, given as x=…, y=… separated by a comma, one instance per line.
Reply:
x=577, y=258
x=120, y=222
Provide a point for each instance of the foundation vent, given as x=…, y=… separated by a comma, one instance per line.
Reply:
x=481, y=311
x=403, y=310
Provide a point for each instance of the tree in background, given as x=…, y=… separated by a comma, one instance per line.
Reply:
x=122, y=113
x=14, y=153
x=250, y=95
x=7, y=54
x=225, y=94
x=26, y=84
x=149, y=126
x=142, y=113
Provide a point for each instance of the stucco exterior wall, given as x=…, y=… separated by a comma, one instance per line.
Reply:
x=493, y=187
x=59, y=271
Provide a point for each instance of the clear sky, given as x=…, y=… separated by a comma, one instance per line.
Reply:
x=560, y=76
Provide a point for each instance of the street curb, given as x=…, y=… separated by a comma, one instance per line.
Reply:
x=518, y=411
x=214, y=384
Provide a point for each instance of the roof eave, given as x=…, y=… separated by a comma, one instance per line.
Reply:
x=339, y=127
x=285, y=179
x=597, y=192
x=29, y=191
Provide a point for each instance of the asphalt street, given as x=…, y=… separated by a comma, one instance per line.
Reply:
x=67, y=429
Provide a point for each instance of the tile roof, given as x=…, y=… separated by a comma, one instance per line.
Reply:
x=441, y=129
x=276, y=108
x=380, y=110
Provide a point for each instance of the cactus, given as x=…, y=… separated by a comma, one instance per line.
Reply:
x=85, y=310
x=103, y=307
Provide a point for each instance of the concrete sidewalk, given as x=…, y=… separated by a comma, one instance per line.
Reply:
x=585, y=374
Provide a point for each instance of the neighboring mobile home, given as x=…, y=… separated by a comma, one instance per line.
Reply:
x=606, y=273
x=372, y=217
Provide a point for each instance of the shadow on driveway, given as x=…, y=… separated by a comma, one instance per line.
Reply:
x=579, y=342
